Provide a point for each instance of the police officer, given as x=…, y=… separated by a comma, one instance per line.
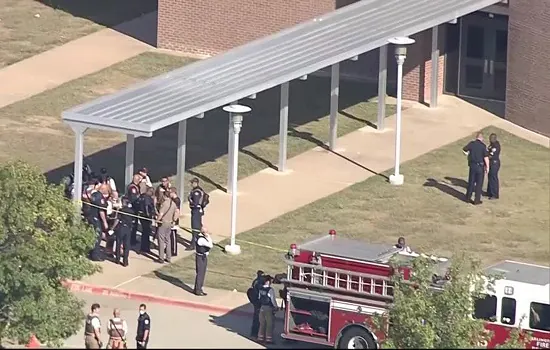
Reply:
x=143, y=328
x=92, y=329
x=204, y=244
x=252, y=294
x=268, y=307
x=493, y=186
x=133, y=193
x=123, y=229
x=478, y=161
x=98, y=219
x=198, y=200
x=146, y=212
x=117, y=329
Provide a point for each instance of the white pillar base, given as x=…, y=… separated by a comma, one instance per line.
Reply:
x=233, y=249
x=397, y=180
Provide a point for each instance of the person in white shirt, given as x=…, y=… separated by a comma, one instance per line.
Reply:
x=117, y=329
x=203, y=246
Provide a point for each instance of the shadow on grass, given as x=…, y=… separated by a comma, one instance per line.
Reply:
x=207, y=137
x=446, y=188
x=115, y=14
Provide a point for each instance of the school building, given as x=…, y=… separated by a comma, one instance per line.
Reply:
x=497, y=56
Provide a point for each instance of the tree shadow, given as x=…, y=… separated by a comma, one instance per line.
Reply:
x=207, y=137
x=445, y=188
x=135, y=18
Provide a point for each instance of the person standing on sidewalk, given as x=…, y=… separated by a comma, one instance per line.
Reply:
x=204, y=244
x=117, y=329
x=268, y=307
x=198, y=200
x=143, y=328
x=92, y=329
x=166, y=219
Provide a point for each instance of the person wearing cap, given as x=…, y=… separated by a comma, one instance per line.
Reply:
x=252, y=294
x=145, y=180
x=198, y=200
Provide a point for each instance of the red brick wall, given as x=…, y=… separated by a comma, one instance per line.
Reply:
x=212, y=26
x=528, y=81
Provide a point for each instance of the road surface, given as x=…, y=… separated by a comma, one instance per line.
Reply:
x=175, y=327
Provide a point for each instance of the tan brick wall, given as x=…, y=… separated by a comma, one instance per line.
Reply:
x=213, y=26
x=528, y=81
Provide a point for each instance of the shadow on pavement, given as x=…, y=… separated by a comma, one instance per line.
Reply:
x=207, y=137
x=175, y=281
x=115, y=14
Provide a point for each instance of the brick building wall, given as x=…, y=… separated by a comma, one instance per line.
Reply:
x=528, y=80
x=209, y=27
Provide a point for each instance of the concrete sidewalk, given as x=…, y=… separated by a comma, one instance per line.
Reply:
x=70, y=61
x=361, y=154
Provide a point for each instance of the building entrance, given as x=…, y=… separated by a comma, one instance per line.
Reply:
x=482, y=58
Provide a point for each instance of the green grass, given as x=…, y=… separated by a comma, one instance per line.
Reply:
x=29, y=27
x=425, y=210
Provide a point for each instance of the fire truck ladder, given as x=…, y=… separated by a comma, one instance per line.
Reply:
x=315, y=276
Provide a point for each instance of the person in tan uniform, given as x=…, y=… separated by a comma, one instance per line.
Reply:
x=117, y=329
x=168, y=214
x=92, y=329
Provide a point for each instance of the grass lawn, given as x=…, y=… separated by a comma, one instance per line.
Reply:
x=32, y=129
x=29, y=27
x=425, y=210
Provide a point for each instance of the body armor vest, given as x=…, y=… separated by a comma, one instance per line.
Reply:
x=89, y=329
x=265, y=296
x=201, y=249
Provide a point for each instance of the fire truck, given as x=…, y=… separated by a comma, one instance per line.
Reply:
x=335, y=285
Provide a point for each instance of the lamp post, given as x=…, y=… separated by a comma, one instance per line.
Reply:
x=236, y=115
x=400, y=44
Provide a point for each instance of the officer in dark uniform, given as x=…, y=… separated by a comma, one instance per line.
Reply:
x=123, y=228
x=204, y=244
x=253, y=297
x=268, y=307
x=198, y=200
x=133, y=193
x=493, y=186
x=143, y=328
x=146, y=212
x=97, y=217
x=478, y=161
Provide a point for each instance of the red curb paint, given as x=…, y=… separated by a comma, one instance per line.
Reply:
x=112, y=292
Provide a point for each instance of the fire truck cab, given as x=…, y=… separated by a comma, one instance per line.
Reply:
x=334, y=285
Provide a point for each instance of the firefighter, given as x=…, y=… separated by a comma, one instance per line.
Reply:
x=117, y=329
x=268, y=307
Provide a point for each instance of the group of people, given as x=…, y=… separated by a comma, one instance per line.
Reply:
x=117, y=329
x=483, y=159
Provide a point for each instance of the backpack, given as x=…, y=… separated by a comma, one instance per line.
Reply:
x=252, y=294
x=205, y=199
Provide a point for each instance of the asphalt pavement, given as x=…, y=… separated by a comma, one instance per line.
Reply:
x=171, y=327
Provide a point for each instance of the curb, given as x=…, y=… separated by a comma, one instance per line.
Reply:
x=119, y=293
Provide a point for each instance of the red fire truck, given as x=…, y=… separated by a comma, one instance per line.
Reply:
x=334, y=285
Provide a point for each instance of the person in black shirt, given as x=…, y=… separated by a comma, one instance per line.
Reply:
x=146, y=212
x=252, y=294
x=133, y=193
x=478, y=161
x=143, y=328
x=494, y=166
x=198, y=200
x=123, y=228
x=98, y=219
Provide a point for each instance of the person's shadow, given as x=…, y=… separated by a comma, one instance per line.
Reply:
x=447, y=188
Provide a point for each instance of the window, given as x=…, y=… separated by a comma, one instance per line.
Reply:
x=508, y=314
x=485, y=308
x=539, y=317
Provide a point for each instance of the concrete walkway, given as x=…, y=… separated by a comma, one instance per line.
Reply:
x=70, y=61
x=361, y=155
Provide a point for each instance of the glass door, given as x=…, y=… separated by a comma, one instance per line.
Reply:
x=497, y=60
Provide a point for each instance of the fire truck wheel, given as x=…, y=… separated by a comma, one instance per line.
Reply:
x=356, y=338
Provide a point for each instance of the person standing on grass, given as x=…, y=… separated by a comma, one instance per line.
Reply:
x=204, y=244
x=478, y=162
x=493, y=186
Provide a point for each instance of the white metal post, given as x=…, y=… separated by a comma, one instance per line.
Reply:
x=236, y=112
x=78, y=164
x=182, y=146
x=334, y=95
x=434, y=87
x=382, y=86
x=400, y=55
x=129, y=169
x=283, y=126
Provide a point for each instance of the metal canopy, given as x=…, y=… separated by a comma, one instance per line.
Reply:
x=265, y=63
